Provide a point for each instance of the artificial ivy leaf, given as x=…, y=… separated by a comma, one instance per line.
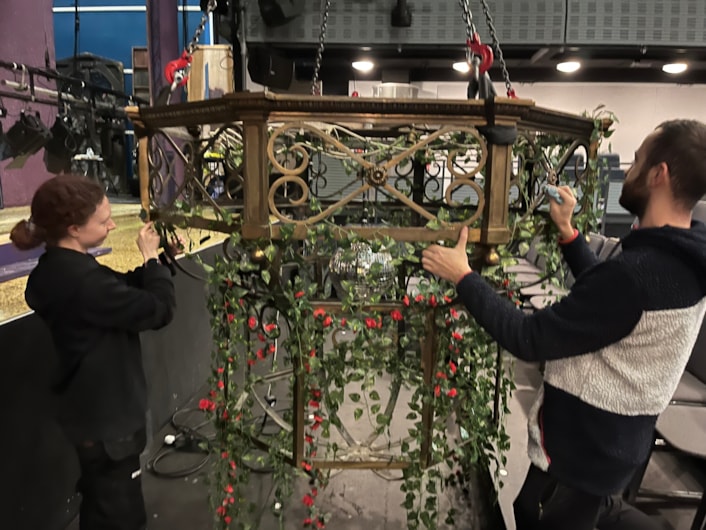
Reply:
x=355, y=398
x=357, y=413
x=375, y=408
x=374, y=395
x=266, y=276
x=270, y=252
x=411, y=416
x=382, y=419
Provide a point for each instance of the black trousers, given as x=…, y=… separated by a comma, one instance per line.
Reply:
x=111, y=486
x=546, y=504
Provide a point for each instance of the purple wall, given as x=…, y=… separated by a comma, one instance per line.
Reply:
x=26, y=32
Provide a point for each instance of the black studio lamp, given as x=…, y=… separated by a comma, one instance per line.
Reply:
x=279, y=12
x=28, y=135
x=401, y=15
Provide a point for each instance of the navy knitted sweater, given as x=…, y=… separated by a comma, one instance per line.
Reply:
x=615, y=348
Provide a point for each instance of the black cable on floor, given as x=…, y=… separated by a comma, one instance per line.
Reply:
x=190, y=439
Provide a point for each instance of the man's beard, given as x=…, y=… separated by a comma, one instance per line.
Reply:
x=635, y=196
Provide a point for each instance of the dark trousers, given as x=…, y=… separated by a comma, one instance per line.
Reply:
x=546, y=504
x=111, y=493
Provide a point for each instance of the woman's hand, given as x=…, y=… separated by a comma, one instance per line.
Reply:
x=449, y=263
x=148, y=242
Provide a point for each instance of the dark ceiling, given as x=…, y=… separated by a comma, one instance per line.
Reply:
x=524, y=63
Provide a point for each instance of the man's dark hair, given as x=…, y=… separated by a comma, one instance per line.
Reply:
x=681, y=144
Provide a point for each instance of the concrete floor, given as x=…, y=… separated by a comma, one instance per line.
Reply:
x=361, y=500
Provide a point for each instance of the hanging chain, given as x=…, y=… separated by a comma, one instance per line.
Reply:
x=210, y=8
x=496, y=46
x=468, y=20
x=320, y=52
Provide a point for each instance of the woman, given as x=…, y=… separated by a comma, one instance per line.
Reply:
x=95, y=315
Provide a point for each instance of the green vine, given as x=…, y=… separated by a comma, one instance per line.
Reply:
x=269, y=299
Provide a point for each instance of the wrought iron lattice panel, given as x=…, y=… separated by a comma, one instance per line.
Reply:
x=637, y=22
x=433, y=22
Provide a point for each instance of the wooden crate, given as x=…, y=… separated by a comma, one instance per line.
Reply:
x=211, y=72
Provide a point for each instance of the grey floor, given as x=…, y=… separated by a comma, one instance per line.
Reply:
x=361, y=500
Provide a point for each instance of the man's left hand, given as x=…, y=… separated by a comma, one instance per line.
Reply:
x=449, y=263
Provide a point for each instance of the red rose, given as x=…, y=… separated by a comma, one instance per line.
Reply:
x=221, y=510
x=452, y=393
x=396, y=315
x=251, y=362
x=269, y=328
x=260, y=354
x=452, y=367
x=456, y=335
x=419, y=298
x=314, y=404
x=437, y=391
x=306, y=466
x=405, y=300
x=432, y=300
x=207, y=405
x=220, y=385
x=343, y=322
x=327, y=321
x=227, y=519
x=224, y=455
x=440, y=375
x=308, y=500
x=229, y=282
x=370, y=323
x=454, y=313
x=232, y=464
x=219, y=370
x=319, y=313
x=448, y=299
x=298, y=294
x=252, y=323
x=320, y=523
x=272, y=348
x=308, y=521
x=231, y=318
x=229, y=489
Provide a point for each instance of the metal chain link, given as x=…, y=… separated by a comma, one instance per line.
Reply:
x=467, y=18
x=496, y=46
x=210, y=8
x=320, y=52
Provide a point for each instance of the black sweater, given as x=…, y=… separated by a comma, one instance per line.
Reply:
x=615, y=348
x=95, y=315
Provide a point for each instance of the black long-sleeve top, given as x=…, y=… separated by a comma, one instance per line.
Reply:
x=95, y=315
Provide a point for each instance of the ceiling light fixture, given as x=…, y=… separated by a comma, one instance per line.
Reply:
x=675, y=68
x=363, y=66
x=568, y=66
x=462, y=66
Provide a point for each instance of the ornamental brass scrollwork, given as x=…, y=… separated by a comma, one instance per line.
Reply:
x=292, y=160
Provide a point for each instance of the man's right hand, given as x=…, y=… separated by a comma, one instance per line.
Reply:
x=148, y=242
x=561, y=213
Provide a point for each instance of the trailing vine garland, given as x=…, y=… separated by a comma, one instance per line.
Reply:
x=274, y=322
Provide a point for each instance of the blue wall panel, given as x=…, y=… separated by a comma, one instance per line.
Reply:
x=113, y=33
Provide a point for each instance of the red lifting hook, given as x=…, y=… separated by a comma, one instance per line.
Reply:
x=483, y=51
x=176, y=70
